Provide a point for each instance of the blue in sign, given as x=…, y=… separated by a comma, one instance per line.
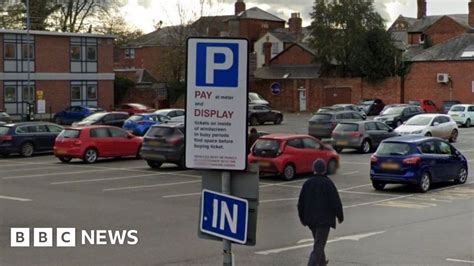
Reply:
x=224, y=216
x=276, y=88
x=217, y=65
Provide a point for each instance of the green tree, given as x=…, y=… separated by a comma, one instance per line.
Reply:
x=121, y=87
x=12, y=16
x=349, y=37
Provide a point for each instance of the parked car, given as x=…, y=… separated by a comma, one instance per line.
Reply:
x=372, y=106
x=164, y=144
x=350, y=107
x=322, y=124
x=139, y=124
x=135, y=108
x=104, y=118
x=448, y=104
x=288, y=155
x=395, y=116
x=259, y=114
x=28, y=138
x=428, y=106
x=416, y=160
x=463, y=114
x=362, y=135
x=93, y=142
x=176, y=115
x=4, y=117
x=392, y=105
x=74, y=113
x=255, y=98
x=330, y=109
x=436, y=125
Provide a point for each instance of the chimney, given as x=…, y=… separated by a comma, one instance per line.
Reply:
x=239, y=7
x=421, y=9
x=267, y=52
x=471, y=14
x=295, y=23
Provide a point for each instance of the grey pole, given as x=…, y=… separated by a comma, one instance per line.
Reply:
x=228, y=256
x=28, y=73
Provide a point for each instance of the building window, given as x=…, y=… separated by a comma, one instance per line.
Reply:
x=91, y=53
x=17, y=94
x=28, y=93
x=10, y=51
x=84, y=93
x=18, y=50
x=275, y=48
x=84, y=55
x=76, y=53
x=130, y=53
x=28, y=54
x=10, y=94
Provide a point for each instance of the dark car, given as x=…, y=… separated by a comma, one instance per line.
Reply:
x=362, y=135
x=350, y=107
x=372, y=106
x=322, y=124
x=27, y=138
x=392, y=105
x=139, y=124
x=447, y=105
x=259, y=114
x=116, y=119
x=396, y=116
x=164, y=144
x=417, y=160
x=74, y=113
x=4, y=117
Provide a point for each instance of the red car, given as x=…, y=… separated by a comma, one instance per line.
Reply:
x=428, y=106
x=90, y=143
x=289, y=155
x=136, y=108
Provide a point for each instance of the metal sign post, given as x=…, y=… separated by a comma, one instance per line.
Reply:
x=226, y=244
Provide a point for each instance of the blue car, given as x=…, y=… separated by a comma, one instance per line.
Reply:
x=74, y=113
x=417, y=160
x=140, y=123
x=28, y=138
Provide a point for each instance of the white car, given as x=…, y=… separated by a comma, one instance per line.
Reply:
x=176, y=115
x=463, y=114
x=436, y=125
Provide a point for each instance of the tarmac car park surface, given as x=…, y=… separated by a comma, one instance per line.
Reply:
x=398, y=226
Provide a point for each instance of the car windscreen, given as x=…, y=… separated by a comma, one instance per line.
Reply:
x=393, y=111
x=419, y=121
x=266, y=147
x=414, y=103
x=321, y=117
x=69, y=133
x=4, y=130
x=393, y=149
x=158, y=132
x=136, y=118
x=255, y=96
x=458, y=109
x=345, y=127
x=94, y=117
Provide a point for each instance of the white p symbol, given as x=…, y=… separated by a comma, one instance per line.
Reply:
x=212, y=66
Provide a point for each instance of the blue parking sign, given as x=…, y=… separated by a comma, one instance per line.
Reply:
x=217, y=65
x=224, y=216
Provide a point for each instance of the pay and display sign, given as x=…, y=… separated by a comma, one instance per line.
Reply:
x=216, y=103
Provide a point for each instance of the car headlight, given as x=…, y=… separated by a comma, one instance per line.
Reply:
x=463, y=115
x=417, y=132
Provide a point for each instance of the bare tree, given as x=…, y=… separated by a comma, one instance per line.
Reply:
x=115, y=24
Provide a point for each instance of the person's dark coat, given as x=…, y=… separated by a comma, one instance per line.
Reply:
x=253, y=136
x=319, y=204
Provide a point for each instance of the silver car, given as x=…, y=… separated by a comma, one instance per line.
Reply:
x=436, y=125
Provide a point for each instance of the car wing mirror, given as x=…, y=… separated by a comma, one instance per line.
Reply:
x=390, y=130
x=436, y=124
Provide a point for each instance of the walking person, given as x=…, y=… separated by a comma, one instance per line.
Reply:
x=253, y=136
x=318, y=207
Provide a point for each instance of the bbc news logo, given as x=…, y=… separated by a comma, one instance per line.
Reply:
x=67, y=237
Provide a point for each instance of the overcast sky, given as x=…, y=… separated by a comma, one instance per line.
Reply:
x=145, y=13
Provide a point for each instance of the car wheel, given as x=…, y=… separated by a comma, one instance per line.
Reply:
x=278, y=120
x=468, y=123
x=65, y=159
x=454, y=136
x=289, y=172
x=27, y=149
x=332, y=167
x=138, y=156
x=378, y=185
x=399, y=123
x=90, y=156
x=338, y=149
x=462, y=177
x=428, y=134
x=254, y=121
x=366, y=147
x=154, y=164
x=425, y=182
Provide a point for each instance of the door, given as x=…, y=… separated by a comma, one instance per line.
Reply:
x=312, y=150
x=470, y=113
x=107, y=120
x=302, y=99
x=40, y=136
x=267, y=114
x=385, y=131
x=102, y=141
x=374, y=133
x=295, y=148
x=450, y=164
x=53, y=133
x=433, y=160
x=437, y=128
x=123, y=146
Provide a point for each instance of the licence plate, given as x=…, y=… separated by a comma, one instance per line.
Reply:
x=390, y=166
x=342, y=142
x=154, y=143
x=61, y=151
x=454, y=115
x=264, y=163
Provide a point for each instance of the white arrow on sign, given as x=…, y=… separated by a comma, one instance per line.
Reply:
x=300, y=245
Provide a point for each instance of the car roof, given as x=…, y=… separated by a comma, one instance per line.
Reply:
x=30, y=123
x=432, y=115
x=410, y=139
x=283, y=136
x=172, y=125
x=464, y=105
x=89, y=127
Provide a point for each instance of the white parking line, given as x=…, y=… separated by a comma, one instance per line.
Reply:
x=181, y=195
x=53, y=174
x=14, y=198
x=351, y=173
x=29, y=169
x=357, y=163
x=350, y=188
x=99, y=179
x=461, y=261
x=377, y=201
x=149, y=186
x=365, y=193
x=276, y=200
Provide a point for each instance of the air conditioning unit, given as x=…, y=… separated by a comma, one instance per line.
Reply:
x=442, y=78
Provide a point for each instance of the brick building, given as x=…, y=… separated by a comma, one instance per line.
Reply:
x=67, y=68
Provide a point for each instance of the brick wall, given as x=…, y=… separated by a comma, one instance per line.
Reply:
x=52, y=54
x=2, y=107
x=295, y=55
x=421, y=81
x=105, y=52
x=444, y=29
x=254, y=29
x=106, y=94
x=56, y=94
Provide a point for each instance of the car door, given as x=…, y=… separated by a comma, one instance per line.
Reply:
x=470, y=113
x=108, y=120
x=102, y=141
x=312, y=152
x=449, y=162
x=53, y=132
x=385, y=131
x=446, y=127
x=295, y=150
x=268, y=115
x=123, y=146
x=437, y=128
x=374, y=134
x=432, y=160
x=40, y=136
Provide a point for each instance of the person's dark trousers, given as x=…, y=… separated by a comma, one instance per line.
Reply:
x=320, y=235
